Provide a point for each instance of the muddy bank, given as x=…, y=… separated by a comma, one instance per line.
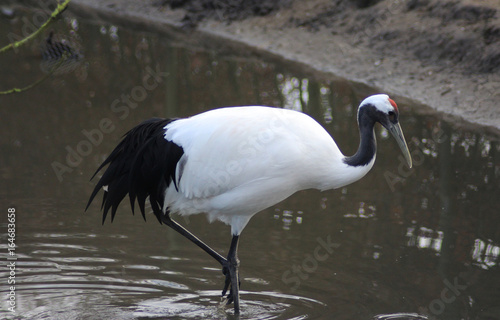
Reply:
x=445, y=54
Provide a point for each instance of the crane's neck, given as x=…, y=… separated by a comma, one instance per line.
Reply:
x=367, y=145
x=346, y=170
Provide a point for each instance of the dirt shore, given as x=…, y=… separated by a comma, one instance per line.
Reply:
x=444, y=54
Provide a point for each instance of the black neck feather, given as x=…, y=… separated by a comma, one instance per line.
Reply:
x=368, y=146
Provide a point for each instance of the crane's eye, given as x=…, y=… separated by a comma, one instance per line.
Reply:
x=392, y=116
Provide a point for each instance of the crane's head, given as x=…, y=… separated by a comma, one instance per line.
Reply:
x=382, y=109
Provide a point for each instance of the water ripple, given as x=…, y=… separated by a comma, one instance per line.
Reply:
x=92, y=286
x=65, y=246
x=81, y=259
x=163, y=283
x=207, y=305
x=400, y=316
x=140, y=267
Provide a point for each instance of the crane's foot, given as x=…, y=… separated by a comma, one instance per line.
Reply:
x=232, y=282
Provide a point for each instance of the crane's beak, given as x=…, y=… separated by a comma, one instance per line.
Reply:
x=397, y=133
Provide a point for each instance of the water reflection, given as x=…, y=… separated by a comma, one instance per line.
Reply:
x=485, y=254
x=395, y=241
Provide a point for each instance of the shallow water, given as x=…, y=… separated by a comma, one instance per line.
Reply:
x=399, y=244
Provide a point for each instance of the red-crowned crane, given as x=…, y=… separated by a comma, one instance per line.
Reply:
x=231, y=163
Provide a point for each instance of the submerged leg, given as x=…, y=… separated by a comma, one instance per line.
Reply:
x=229, y=266
x=230, y=270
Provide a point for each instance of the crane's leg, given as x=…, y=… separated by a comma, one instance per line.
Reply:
x=229, y=266
x=230, y=270
x=180, y=229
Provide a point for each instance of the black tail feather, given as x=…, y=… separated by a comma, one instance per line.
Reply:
x=142, y=165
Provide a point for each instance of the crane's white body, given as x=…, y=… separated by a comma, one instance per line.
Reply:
x=238, y=161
